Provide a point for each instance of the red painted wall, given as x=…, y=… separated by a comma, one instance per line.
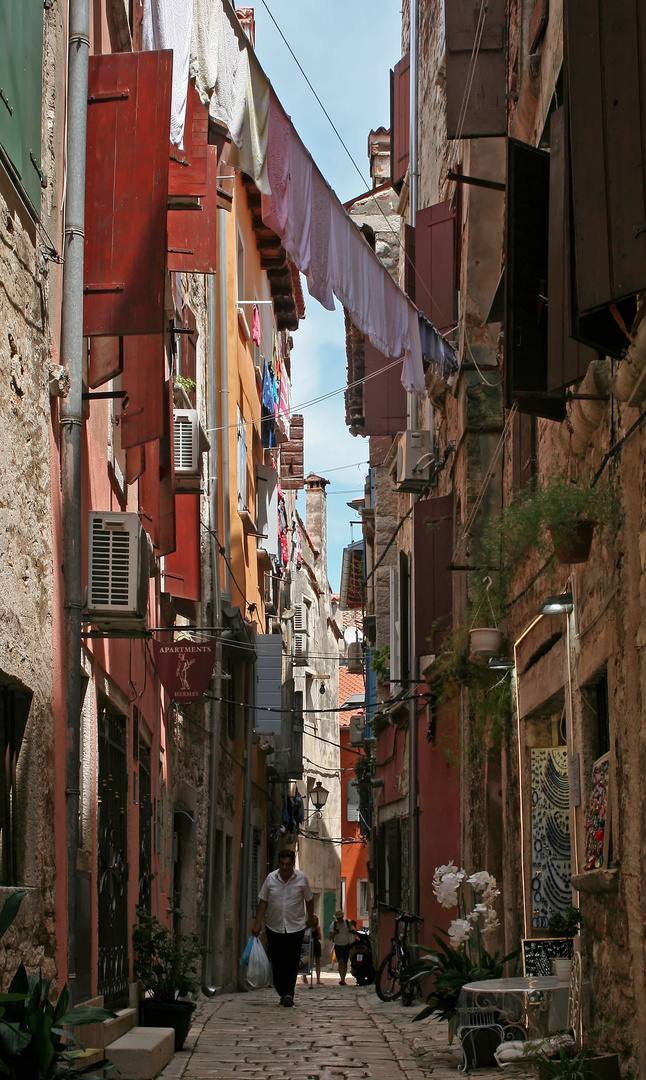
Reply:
x=354, y=856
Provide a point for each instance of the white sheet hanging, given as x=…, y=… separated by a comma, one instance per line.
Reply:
x=168, y=25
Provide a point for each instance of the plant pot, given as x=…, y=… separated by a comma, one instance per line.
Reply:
x=561, y=967
x=485, y=641
x=604, y=1067
x=575, y=548
x=169, y=1014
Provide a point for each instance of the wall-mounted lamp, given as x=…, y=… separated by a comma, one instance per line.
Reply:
x=501, y=663
x=319, y=795
x=558, y=605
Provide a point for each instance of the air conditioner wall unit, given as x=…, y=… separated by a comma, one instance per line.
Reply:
x=118, y=573
x=357, y=730
x=186, y=429
x=414, y=460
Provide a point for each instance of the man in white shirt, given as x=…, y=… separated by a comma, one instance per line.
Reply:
x=284, y=896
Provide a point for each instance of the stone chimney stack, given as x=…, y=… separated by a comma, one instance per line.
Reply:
x=316, y=515
x=379, y=154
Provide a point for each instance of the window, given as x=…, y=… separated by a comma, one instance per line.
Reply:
x=352, y=809
x=389, y=866
x=362, y=899
x=14, y=708
x=242, y=462
x=21, y=82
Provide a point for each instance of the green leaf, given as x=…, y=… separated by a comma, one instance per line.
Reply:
x=20, y=983
x=85, y=1014
x=10, y=910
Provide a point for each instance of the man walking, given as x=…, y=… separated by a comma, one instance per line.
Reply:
x=284, y=895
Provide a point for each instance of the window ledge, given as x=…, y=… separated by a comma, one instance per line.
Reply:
x=596, y=881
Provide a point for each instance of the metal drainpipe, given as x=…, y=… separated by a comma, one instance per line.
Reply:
x=208, y=986
x=224, y=393
x=71, y=421
x=246, y=845
x=413, y=779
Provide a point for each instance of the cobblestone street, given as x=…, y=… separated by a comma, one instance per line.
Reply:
x=332, y=1033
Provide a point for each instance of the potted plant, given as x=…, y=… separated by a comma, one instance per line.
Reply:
x=484, y=641
x=564, y=924
x=166, y=966
x=35, y=1036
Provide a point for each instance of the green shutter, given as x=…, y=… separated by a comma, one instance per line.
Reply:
x=21, y=86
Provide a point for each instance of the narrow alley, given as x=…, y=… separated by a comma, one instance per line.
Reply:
x=331, y=1034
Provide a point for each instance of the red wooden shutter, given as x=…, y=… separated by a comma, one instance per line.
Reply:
x=400, y=120
x=126, y=188
x=182, y=567
x=607, y=127
x=567, y=359
x=187, y=171
x=144, y=371
x=526, y=251
x=167, y=478
x=135, y=463
x=105, y=360
x=433, y=275
x=384, y=402
x=537, y=23
x=192, y=234
x=432, y=584
x=485, y=110
x=157, y=485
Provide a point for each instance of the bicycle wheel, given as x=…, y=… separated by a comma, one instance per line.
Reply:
x=409, y=992
x=387, y=983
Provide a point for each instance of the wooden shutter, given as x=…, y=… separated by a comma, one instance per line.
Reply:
x=187, y=170
x=567, y=359
x=485, y=110
x=192, y=234
x=105, y=360
x=126, y=189
x=403, y=581
x=607, y=89
x=430, y=264
x=292, y=472
x=144, y=407
x=432, y=582
x=135, y=463
x=21, y=85
x=524, y=458
x=182, y=568
x=399, y=120
x=157, y=486
x=384, y=400
x=526, y=261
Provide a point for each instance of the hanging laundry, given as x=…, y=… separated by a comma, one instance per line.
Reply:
x=255, y=326
x=282, y=420
x=413, y=370
x=298, y=809
x=168, y=24
x=299, y=547
x=282, y=527
x=249, y=123
x=297, y=238
x=275, y=207
x=319, y=274
x=268, y=409
x=288, y=817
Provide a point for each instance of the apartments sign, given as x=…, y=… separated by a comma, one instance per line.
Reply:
x=185, y=668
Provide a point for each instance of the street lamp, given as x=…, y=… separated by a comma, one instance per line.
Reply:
x=319, y=795
x=558, y=605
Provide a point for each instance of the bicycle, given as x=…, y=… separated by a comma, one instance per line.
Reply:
x=391, y=982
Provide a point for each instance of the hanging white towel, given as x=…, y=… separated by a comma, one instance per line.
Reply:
x=168, y=25
x=319, y=274
x=249, y=121
x=413, y=369
x=275, y=207
x=340, y=262
x=297, y=238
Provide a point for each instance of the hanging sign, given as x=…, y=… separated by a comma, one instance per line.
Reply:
x=185, y=667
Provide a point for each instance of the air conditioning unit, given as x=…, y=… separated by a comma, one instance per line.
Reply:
x=414, y=460
x=357, y=730
x=300, y=648
x=355, y=658
x=301, y=619
x=118, y=574
x=187, y=442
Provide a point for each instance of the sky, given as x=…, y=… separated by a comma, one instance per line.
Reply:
x=346, y=48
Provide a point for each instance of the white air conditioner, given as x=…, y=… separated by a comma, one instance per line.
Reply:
x=187, y=442
x=118, y=573
x=355, y=658
x=357, y=730
x=301, y=618
x=300, y=648
x=414, y=460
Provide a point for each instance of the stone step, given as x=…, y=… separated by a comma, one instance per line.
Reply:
x=141, y=1053
x=101, y=1034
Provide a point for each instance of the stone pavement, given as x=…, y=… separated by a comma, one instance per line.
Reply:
x=332, y=1033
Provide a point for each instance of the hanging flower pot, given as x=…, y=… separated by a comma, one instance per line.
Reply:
x=574, y=546
x=485, y=641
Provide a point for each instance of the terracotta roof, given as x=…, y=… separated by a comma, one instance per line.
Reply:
x=349, y=685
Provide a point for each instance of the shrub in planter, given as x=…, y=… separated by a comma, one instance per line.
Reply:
x=166, y=963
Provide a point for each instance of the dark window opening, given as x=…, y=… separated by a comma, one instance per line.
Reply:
x=603, y=715
x=14, y=709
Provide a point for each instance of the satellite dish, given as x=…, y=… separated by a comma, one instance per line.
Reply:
x=352, y=634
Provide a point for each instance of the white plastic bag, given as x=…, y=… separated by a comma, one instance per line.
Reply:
x=259, y=969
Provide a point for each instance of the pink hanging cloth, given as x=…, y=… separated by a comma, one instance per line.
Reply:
x=255, y=327
x=275, y=207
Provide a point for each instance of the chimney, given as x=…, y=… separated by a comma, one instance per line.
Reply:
x=316, y=515
x=379, y=154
